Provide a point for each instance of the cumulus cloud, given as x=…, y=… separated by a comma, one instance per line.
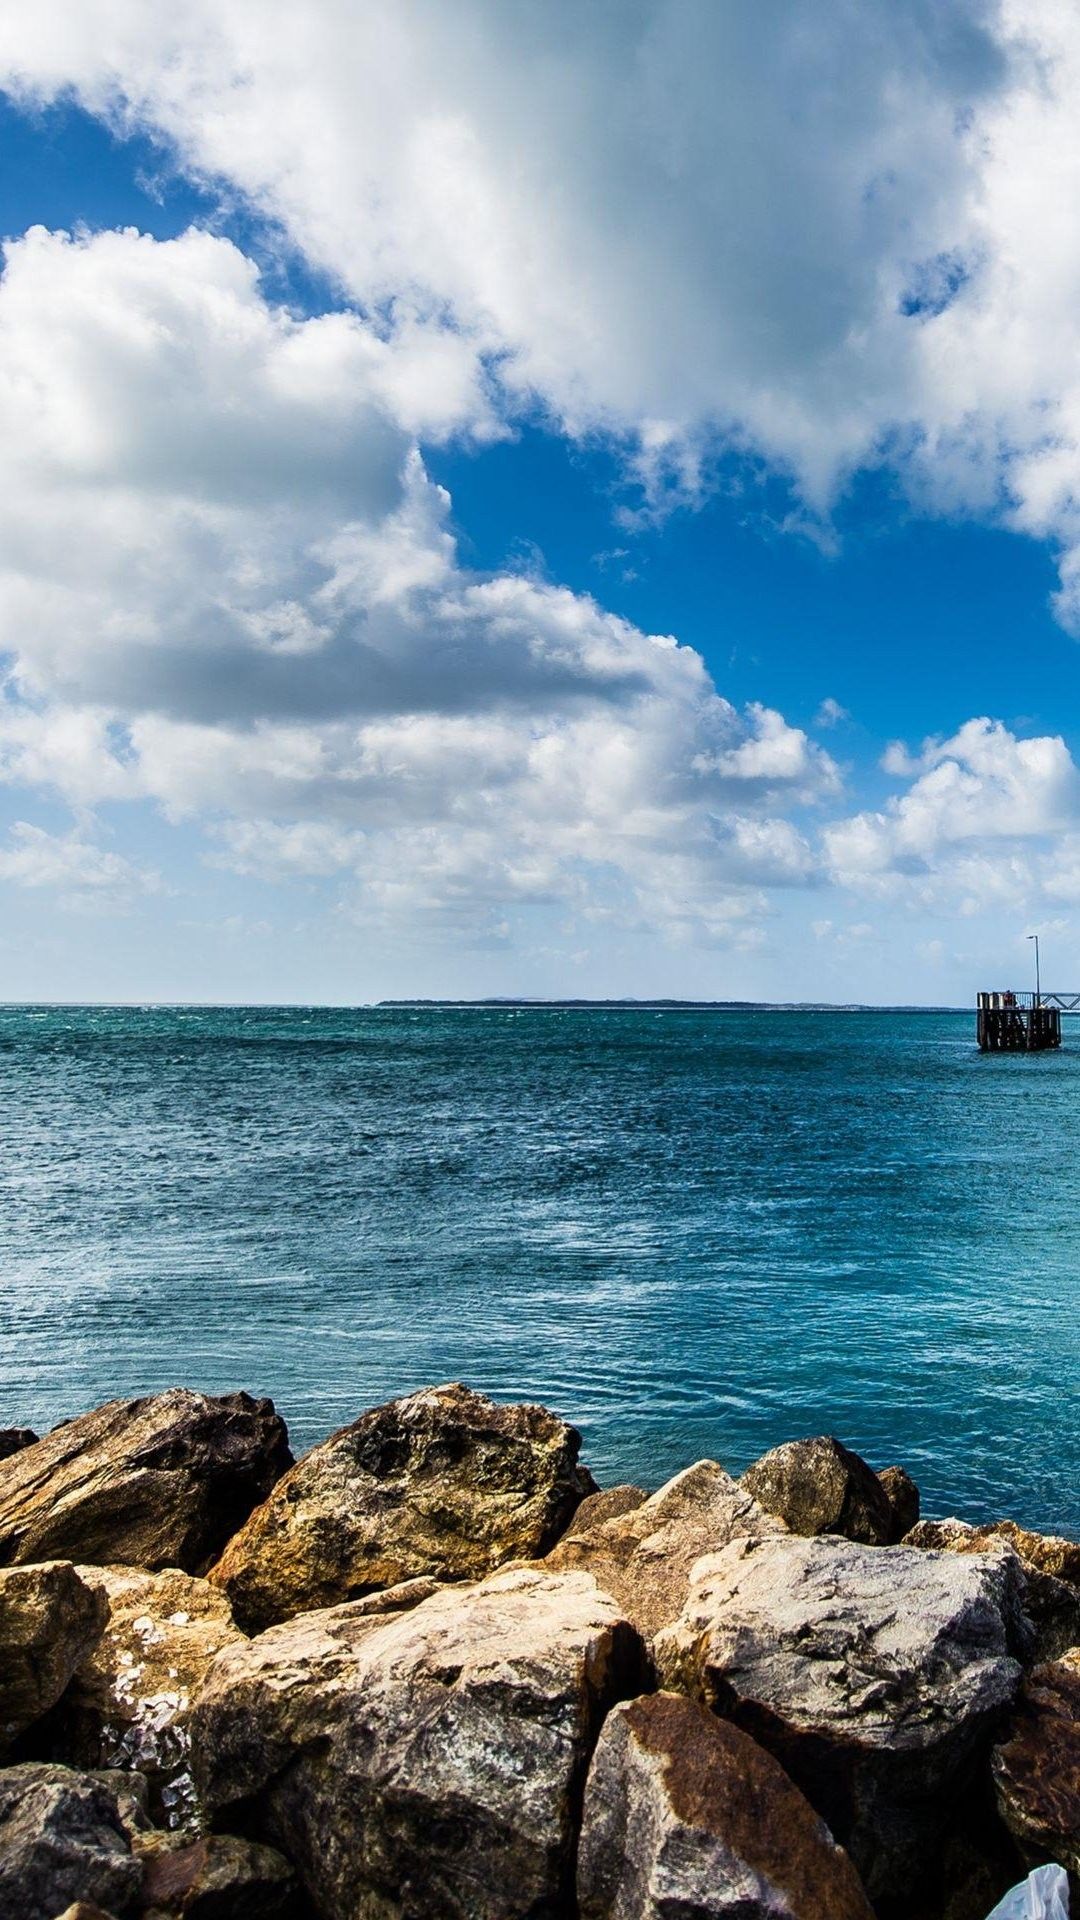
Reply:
x=73, y=864
x=228, y=585
x=987, y=819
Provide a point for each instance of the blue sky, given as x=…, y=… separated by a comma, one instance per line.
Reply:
x=384, y=397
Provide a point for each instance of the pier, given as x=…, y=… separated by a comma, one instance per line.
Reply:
x=1022, y=1022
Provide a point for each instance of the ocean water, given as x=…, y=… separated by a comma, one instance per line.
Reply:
x=691, y=1232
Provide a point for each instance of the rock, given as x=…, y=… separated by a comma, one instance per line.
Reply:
x=14, y=1439
x=1041, y=1552
x=48, y=1623
x=877, y=1677
x=152, y=1483
x=643, y=1557
x=687, y=1816
x=427, y=1763
x=129, y=1703
x=444, y=1484
x=903, y=1497
x=608, y=1504
x=219, y=1878
x=85, y=1910
x=131, y=1791
x=61, y=1840
x=818, y=1486
x=1051, y=1601
x=1037, y=1767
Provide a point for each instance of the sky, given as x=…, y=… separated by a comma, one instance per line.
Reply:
x=542, y=500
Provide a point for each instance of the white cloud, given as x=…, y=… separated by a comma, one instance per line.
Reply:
x=227, y=585
x=988, y=818
x=72, y=864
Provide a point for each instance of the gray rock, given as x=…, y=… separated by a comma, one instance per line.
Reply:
x=876, y=1676
x=819, y=1486
x=152, y=1483
x=1051, y=1599
x=903, y=1497
x=445, y=1485
x=49, y=1621
x=686, y=1816
x=427, y=1763
x=61, y=1840
x=643, y=1555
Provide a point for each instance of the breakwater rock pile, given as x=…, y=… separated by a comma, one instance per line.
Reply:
x=431, y=1672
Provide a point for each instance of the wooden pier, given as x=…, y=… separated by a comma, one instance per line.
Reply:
x=1022, y=1022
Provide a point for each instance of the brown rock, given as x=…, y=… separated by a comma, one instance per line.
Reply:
x=643, y=1556
x=151, y=1483
x=608, y=1504
x=426, y=1763
x=1037, y=1767
x=687, y=1816
x=876, y=1676
x=903, y=1497
x=61, y=1840
x=1051, y=1601
x=129, y=1703
x=444, y=1484
x=85, y=1910
x=14, y=1439
x=818, y=1486
x=219, y=1878
x=1041, y=1552
x=48, y=1623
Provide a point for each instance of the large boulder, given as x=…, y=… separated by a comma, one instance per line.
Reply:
x=161, y=1482
x=643, y=1555
x=49, y=1621
x=877, y=1677
x=1052, y=1599
x=129, y=1702
x=444, y=1484
x=1037, y=1766
x=428, y=1762
x=687, y=1816
x=218, y=1877
x=818, y=1486
x=62, y=1840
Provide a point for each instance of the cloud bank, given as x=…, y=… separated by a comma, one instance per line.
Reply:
x=227, y=584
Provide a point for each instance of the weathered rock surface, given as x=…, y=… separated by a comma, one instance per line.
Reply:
x=218, y=1878
x=903, y=1497
x=818, y=1486
x=129, y=1703
x=875, y=1676
x=444, y=1484
x=1037, y=1767
x=150, y=1483
x=1041, y=1552
x=61, y=1840
x=608, y=1504
x=643, y=1556
x=85, y=1910
x=424, y=1764
x=1052, y=1601
x=49, y=1620
x=686, y=1816
x=14, y=1439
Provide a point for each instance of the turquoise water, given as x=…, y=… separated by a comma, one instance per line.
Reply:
x=690, y=1232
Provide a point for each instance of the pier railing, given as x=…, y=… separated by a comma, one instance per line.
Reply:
x=1064, y=1002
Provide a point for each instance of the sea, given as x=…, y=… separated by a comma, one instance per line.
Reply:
x=692, y=1232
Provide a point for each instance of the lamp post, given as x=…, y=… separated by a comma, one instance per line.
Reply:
x=1038, y=989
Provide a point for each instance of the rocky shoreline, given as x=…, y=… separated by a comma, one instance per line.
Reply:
x=431, y=1672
